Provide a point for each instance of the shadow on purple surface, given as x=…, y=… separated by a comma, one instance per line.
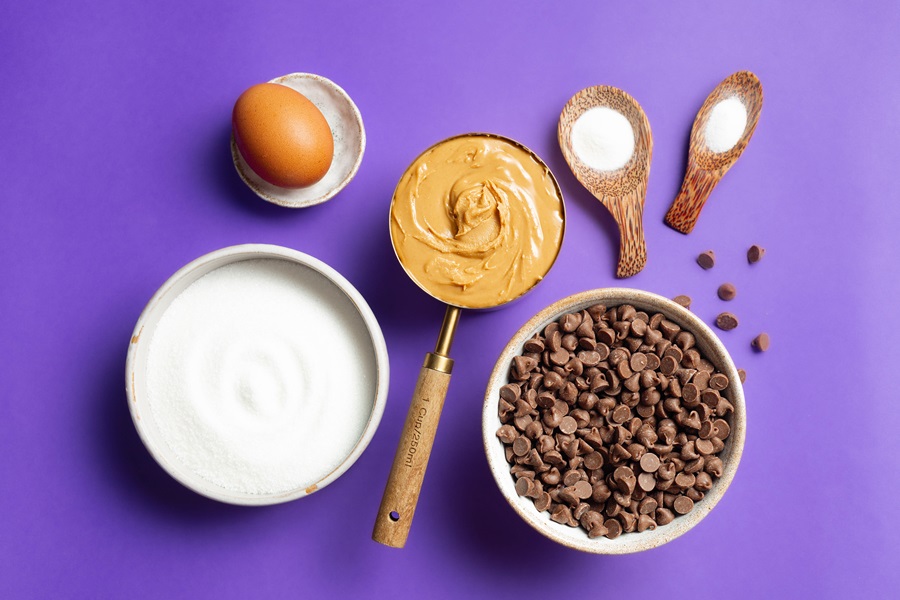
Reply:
x=225, y=179
x=394, y=298
x=486, y=531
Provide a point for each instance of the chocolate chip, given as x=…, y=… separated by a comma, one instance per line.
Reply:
x=561, y=514
x=559, y=357
x=742, y=375
x=521, y=446
x=718, y=381
x=683, y=505
x=664, y=516
x=684, y=301
x=668, y=365
x=727, y=292
x=647, y=481
x=523, y=365
x=593, y=461
x=703, y=482
x=638, y=361
x=650, y=462
x=568, y=425
x=522, y=486
x=721, y=429
x=583, y=489
x=685, y=480
x=755, y=253
x=570, y=322
x=552, y=380
x=726, y=321
x=644, y=523
x=535, y=344
x=613, y=529
x=704, y=447
x=507, y=434
x=707, y=260
x=510, y=392
x=628, y=520
x=714, y=466
x=685, y=340
x=761, y=342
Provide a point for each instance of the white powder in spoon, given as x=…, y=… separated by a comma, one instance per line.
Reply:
x=726, y=124
x=261, y=376
x=603, y=139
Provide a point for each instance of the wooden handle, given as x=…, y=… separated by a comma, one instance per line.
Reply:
x=695, y=190
x=628, y=211
x=405, y=482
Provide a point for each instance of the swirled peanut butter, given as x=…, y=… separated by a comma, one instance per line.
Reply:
x=477, y=220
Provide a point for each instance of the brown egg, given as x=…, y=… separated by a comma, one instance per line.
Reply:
x=282, y=135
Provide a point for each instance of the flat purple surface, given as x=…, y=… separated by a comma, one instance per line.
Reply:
x=114, y=127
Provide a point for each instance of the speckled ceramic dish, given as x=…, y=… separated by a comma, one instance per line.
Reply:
x=708, y=344
x=349, y=144
x=349, y=318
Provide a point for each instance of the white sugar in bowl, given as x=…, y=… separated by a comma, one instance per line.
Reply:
x=256, y=375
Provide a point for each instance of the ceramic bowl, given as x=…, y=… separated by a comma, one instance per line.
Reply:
x=352, y=313
x=708, y=344
x=349, y=144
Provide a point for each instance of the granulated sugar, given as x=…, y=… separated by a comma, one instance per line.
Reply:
x=726, y=125
x=261, y=376
x=603, y=139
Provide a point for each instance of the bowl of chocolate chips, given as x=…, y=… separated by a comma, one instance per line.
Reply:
x=614, y=421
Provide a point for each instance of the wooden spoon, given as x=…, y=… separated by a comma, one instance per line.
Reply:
x=705, y=167
x=621, y=191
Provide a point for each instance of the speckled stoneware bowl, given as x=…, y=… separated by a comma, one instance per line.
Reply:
x=150, y=429
x=708, y=344
x=349, y=144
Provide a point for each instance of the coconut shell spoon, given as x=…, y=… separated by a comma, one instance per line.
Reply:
x=705, y=167
x=623, y=190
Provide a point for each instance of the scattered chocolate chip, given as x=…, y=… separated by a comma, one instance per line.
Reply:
x=707, y=260
x=727, y=292
x=726, y=321
x=755, y=253
x=761, y=342
x=742, y=375
x=684, y=301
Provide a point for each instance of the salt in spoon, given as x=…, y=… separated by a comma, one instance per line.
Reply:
x=705, y=167
x=622, y=190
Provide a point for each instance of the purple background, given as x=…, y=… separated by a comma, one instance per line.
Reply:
x=114, y=127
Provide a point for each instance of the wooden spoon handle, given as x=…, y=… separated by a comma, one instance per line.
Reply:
x=695, y=190
x=405, y=482
x=628, y=211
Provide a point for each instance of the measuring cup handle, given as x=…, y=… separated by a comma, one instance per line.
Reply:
x=405, y=482
x=695, y=190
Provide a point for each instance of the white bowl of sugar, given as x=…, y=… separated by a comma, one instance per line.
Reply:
x=256, y=375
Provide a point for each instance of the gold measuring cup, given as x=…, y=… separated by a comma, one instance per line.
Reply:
x=466, y=212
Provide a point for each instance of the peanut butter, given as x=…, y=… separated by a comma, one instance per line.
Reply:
x=477, y=220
